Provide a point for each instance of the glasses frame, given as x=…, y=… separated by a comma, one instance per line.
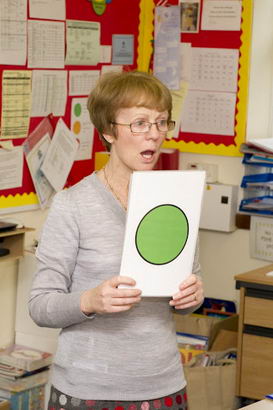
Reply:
x=171, y=126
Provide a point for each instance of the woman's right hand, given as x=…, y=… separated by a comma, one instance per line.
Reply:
x=108, y=298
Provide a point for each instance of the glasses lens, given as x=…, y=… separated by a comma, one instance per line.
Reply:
x=139, y=126
x=144, y=126
x=162, y=125
x=165, y=125
x=171, y=125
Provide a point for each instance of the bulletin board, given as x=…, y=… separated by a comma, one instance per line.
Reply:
x=119, y=17
x=136, y=17
x=227, y=145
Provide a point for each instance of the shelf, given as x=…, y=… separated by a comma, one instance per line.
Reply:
x=14, y=241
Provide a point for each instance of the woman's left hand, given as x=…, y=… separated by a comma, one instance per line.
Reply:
x=190, y=293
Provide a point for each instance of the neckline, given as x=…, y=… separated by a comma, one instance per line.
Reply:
x=113, y=190
x=108, y=197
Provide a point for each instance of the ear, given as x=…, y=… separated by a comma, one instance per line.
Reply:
x=109, y=138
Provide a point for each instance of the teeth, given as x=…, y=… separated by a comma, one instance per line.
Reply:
x=147, y=155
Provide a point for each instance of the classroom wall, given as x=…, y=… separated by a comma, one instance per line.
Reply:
x=222, y=255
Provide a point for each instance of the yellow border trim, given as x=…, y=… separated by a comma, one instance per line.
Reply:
x=241, y=117
x=145, y=34
x=17, y=200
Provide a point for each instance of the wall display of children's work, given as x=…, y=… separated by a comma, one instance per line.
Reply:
x=210, y=98
x=50, y=57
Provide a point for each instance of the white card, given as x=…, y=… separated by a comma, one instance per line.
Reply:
x=161, y=229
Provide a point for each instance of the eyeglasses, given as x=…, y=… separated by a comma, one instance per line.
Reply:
x=138, y=127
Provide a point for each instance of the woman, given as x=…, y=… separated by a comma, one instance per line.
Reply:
x=116, y=350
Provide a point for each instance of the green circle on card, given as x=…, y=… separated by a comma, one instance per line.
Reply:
x=77, y=109
x=162, y=234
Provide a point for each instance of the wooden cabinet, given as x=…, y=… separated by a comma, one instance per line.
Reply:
x=13, y=241
x=255, y=344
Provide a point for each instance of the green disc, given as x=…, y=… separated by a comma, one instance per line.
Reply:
x=162, y=234
x=77, y=109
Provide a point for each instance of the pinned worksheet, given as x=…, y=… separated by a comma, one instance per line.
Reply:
x=161, y=229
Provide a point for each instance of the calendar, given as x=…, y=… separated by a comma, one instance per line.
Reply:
x=214, y=69
x=209, y=113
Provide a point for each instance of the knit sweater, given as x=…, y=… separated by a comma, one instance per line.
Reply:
x=129, y=355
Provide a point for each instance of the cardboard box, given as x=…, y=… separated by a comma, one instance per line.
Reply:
x=225, y=339
x=4, y=405
x=205, y=325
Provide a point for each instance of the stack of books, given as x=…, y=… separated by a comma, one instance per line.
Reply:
x=24, y=372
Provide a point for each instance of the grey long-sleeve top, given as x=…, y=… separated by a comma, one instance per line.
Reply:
x=130, y=355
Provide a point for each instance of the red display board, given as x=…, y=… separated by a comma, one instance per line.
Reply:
x=120, y=17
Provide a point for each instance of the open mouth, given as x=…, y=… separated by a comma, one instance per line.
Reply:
x=148, y=154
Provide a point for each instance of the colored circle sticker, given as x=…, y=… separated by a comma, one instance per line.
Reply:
x=77, y=109
x=162, y=234
x=76, y=127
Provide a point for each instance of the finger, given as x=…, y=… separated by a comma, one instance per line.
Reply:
x=126, y=293
x=121, y=280
x=184, y=305
x=186, y=292
x=125, y=301
x=191, y=280
x=192, y=298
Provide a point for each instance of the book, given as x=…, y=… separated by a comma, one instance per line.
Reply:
x=161, y=229
x=9, y=387
x=263, y=144
x=24, y=357
x=199, y=341
x=10, y=372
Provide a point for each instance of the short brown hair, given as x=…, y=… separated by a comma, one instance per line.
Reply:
x=127, y=89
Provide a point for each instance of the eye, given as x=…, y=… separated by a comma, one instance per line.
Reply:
x=162, y=123
x=139, y=123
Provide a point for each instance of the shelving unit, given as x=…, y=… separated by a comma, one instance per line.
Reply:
x=257, y=185
x=14, y=241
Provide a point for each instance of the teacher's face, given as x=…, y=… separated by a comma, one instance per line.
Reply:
x=137, y=151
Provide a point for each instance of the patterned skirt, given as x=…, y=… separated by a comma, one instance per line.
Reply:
x=61, y=401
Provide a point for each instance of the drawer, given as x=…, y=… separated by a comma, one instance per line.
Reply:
x=258, y=312
x=256, y=377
